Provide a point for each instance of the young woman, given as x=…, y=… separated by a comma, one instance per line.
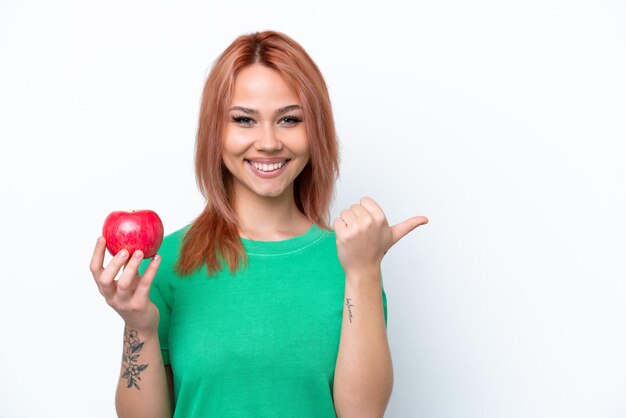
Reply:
x=259, y=308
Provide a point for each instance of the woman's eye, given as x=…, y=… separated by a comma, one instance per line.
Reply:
x=291, y=120
x=242, y=120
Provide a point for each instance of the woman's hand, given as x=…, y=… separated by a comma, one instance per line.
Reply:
x=364, y=236
x=130, y=295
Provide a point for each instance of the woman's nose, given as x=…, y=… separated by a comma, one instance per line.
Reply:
x=268, y=141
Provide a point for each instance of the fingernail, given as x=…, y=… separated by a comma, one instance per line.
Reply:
x=122, y=254
x=156, y=258
x=99, y=242
x=137, y=255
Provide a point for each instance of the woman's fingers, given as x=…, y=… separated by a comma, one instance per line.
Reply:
x=348, y=217
x=360, y=212
x=106, y=281
x=127, y=282
x=142, y=291
x=339, y=226
x=97, y=260
x=373, y=208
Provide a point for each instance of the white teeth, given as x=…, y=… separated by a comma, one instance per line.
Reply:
x=267, y=167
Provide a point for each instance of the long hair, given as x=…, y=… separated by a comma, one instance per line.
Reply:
x=213, y=237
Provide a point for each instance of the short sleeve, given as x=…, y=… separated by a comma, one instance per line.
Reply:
x=384, y=299
x=385, y=306
x=160, y=295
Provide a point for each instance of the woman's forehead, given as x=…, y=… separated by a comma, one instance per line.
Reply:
x=258, y=87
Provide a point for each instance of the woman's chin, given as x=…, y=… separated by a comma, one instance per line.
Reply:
x=269, y=192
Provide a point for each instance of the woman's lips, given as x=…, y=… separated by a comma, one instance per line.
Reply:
x=265, y=165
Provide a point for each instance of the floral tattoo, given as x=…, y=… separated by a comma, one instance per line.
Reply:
x=132, y=347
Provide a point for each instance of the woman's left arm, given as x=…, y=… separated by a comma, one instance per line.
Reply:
x=364, y=374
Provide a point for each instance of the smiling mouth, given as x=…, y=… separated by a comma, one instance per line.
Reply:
x=268, y=168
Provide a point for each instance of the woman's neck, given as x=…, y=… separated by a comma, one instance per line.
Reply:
x=269, y=218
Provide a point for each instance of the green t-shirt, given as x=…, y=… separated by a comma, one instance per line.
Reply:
x=260, y=343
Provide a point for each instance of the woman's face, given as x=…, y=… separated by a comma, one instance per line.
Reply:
x=265, y=142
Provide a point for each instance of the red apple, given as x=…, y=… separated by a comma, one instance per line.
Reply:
x=133, y=230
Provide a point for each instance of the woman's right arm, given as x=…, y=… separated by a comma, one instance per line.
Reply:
x=144, y=389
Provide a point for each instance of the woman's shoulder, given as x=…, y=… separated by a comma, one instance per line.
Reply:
x=175, y=237
x=170, y=247
x=169, y=252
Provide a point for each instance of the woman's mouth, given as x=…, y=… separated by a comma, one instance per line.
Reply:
x=267, y=167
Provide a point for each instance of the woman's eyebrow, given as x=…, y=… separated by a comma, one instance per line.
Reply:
x=256, y=112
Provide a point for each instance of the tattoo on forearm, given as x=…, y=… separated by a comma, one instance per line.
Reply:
x=130, y=360
x=349, y=305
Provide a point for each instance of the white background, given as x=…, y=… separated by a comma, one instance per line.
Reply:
x=503, y=122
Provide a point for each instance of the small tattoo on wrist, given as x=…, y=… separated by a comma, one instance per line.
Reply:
x=349, y=305
x=130, y=359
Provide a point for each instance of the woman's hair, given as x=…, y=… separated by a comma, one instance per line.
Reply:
x=213, y=238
